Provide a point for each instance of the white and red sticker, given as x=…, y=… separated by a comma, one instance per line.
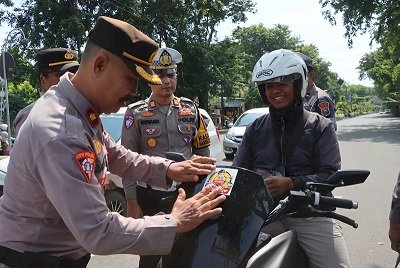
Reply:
x=128, y=121
x=86, y=161
x=324, y=106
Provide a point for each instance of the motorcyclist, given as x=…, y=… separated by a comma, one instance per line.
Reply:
x=291, y=146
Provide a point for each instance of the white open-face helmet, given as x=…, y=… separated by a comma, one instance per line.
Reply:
x=3, y=127
x=279, y=66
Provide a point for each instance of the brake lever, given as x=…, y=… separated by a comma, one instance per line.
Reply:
x=310, y=211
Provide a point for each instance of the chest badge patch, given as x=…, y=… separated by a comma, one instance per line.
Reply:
x=185, y=112
x=152, y=143
x=150, y=131
x=128, y=121
x=147, y=114
x=86, y=161
x=98, y=146
x=187, y=140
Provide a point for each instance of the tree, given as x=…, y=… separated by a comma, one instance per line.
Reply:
x=188, y=26
x=378, y=17
x=381, y=18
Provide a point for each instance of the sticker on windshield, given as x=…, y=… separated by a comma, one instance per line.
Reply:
x=223, y=177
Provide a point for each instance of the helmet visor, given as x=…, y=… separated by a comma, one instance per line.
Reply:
x=286, y=79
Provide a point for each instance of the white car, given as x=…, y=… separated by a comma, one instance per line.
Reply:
x=3, y=171
x=233, y=137
x=112, y=123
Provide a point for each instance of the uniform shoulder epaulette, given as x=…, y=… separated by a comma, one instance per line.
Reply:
x=135, y=105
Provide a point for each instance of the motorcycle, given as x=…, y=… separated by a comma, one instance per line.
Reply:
x=235, y=238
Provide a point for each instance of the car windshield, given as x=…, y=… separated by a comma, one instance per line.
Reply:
x=113, y=125
x=247, y=118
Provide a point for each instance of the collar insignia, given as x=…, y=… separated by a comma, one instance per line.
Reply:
x=175, y=101
x=152, y=104
x=92, y=117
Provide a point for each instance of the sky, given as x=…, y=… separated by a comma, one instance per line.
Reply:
x=305, y=20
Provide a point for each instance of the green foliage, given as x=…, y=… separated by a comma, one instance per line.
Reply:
x=381, y=18
x=19, y=96
x=210, y=67
x=374, y=16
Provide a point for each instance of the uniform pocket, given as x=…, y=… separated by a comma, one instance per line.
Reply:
x=187, y=129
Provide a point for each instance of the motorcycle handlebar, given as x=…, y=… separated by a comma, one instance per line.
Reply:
x=315, y=198
x=335, y=202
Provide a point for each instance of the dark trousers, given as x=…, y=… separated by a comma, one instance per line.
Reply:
x=152, y=202
x=16, y=259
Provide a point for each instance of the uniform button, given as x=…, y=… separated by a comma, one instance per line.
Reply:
x=167, y=217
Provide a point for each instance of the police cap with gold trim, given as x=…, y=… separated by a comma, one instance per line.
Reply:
x=166, y=60
x=57, y=59
x=124, y=40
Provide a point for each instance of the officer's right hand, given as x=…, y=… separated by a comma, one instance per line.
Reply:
x=134, y=209
x=190, y=213
x=189, y=170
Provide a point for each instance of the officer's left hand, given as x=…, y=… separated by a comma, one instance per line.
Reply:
x=279, y=185
x=190, y=169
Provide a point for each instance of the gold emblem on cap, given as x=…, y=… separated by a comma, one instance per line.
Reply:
x=151, y=143
x=69, y=55
x=165, y=59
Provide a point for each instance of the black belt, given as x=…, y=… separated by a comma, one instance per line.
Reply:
x=27, y=259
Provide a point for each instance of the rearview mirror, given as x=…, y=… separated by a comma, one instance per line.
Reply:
x=348, y=177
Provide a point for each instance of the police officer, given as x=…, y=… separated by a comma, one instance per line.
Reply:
x=291, y=146
x=394, y=218
x=317, y=100
x=52, y=64
x=53, y=211
x=161, y=123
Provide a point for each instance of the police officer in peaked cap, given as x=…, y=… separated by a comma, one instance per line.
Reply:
x=161, y=123
x=52, y=63
x=53, y=212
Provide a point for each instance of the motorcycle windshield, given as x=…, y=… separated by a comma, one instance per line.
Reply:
x=224, y=241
